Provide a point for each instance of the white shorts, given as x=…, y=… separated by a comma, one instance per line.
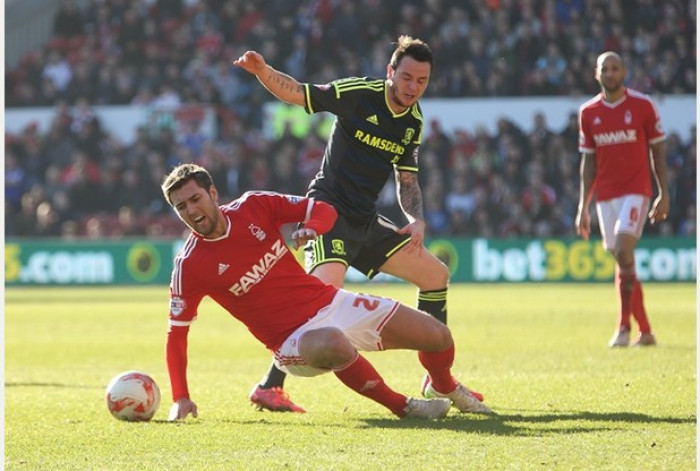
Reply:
x=624, y=215
x=360, y=317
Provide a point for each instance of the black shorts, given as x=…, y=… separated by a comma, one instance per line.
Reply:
x=363, y=246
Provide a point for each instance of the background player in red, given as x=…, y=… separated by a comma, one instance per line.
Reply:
x=618, y=130
x=376, y=135
x=237, y=255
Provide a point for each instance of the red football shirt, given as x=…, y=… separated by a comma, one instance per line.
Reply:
x=620, y=134
x=250, y=272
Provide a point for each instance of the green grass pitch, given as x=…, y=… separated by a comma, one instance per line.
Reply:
x=537, y=351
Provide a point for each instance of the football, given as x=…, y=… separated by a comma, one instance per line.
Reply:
x=133, y=396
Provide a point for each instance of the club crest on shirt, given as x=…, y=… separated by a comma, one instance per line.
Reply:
x=628, y=117
x=177, y=305
x=257, y=232
x=293, y=199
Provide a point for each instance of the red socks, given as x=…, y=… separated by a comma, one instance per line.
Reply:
x=624, y=294
x=360, y=376
x=438, y=365
x=631, y=301
x=638, y=311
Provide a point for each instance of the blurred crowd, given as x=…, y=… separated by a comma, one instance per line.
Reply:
x=78, y=180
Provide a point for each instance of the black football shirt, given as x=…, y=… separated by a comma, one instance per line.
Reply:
x=368, y=141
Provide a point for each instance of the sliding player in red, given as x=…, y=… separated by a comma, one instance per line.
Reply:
x=237, y=255
x=619, y=130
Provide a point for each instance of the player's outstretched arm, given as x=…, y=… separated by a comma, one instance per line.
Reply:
x=281, y=85
x=181, y=408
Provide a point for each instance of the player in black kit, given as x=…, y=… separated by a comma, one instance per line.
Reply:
x=376, y=133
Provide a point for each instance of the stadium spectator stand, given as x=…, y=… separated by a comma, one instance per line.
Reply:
x=78, y=180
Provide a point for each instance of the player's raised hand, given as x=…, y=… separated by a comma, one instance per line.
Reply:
x=302, y=236
x=251, y=62
x=416, y=230
x=181, y=408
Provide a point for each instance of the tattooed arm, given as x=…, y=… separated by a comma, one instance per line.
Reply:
x=409, y=195
x=281, y=85
x=411, y=202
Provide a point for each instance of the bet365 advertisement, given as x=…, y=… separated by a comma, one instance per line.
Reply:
x=551, y=260
x=470, y=260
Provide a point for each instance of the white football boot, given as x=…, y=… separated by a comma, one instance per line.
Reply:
x=426, y=408
x=461, y=398
x=645, y=340
x=620, y=339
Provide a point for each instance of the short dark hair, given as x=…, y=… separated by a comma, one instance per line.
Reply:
x=411, y=47
x=181, y=175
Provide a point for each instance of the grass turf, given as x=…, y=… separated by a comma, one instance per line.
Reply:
x=537, y=351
